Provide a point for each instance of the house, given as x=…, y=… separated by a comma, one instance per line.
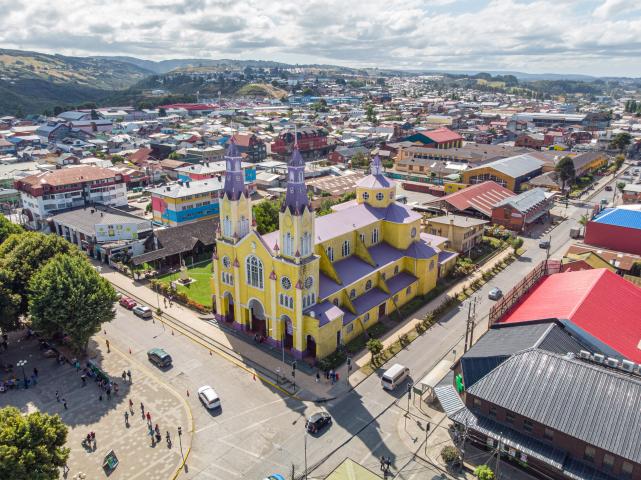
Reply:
x=631, y=193
x=312, y=142
x=622, y=262
x=252, y=147
x=616, y=228
x=317, y=283
x=51, y=192
x=342, y=155
x=74, y=116
x=521, y=211
x=584, y=261
x=476, y=200
x=205, y=170
x=530, y=140
x=463, y=233
x=440, y=138
x=185, y=202
x=53, y=132
x=510, y=172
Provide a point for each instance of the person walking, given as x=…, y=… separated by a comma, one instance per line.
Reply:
x=131, y=406
x=108, y=393
x=57, y=396
x=317, y=377
x=64, y=403
x=129, y=375
x=149, y=418
x=116, y=389
x=124, y=376
x=382, y=463
x=107, y=342
x=142, y=409
x=35, y=372
x=126, y=418
x=83, y=377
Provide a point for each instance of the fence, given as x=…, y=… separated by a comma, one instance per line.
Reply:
x=500, y=308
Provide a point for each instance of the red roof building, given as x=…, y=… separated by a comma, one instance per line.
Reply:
x=599, y=302
x=476, y=199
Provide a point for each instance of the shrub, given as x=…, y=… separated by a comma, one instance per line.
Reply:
x=420, y=328
x=483, y=472
x=403, y=339
x=450, y=455
x=375, y=347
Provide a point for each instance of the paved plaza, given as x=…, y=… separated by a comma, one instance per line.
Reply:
x=138, y=457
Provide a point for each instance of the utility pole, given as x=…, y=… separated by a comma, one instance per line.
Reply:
x=469, y=327
x=305, y=454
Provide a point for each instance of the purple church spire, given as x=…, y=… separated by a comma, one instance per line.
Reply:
x=296, y=197
x=234, y=176
x=376, y=168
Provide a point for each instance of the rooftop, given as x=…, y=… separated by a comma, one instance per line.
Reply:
x=183, y=189
x=627, y=216
x=481, y=197
x=458, y=220
x=86, y=219
x=66, y=176
x=517, y=166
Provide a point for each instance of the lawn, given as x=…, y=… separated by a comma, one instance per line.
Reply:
x=200, y=291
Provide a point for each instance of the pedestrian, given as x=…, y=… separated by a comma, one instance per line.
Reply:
x=126, y=418
x=157, y=429
x=164, y=301
x=116, y=389
x=83, y=377
x=100, y=396
x=149, y=418
x=317, y=377
x=336, y=375
x=382, y=463
x=124, y=376
x=107, y=342
x=57, y=396
x=109, y=394
x=131, y=405
x=129, y=375
x=388, y=462
x=142, y=408
x=64, y=403
x=331, y=376
x=77, y=365
x=35, y=372
x=327, y=374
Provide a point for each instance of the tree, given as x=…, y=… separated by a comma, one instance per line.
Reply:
x=117, y=158
x=565, y=169
x=483, y=472
x=621, y=141
x=173, y=156
x=583, y=221
x=516, y=243
x=370, y=114
x=375, y=347
x=618, y=161
x=94, y=114
x=266, y=216
x=7, y=228
x=68, y=295
x=32, y=445
x=620, y=186
x=450, y=455
x=21, y=256
x=162, y=112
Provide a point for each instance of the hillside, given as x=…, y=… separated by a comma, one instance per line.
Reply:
x=261, y=90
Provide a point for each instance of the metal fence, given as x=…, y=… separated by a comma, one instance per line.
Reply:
x=511, y=298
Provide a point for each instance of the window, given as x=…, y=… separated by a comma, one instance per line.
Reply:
x=346, y=250
x=408, y=290
x=330, y=254
x=335, y=301
x=589, y=453
x=395, y=298
x=413, y=232
x=309, y=300
x=490, y=442
x=306, y=247
x=362, y=237
x=288, y=244
x=227, y=227
x=396, y=270
x=528, y=425
x=286, y=283
x=254, y=268
x=350, y=328
x=226, y=261
x=431, y=265
x=368, y=285
x=492, y=411
x=477, y=402
x=509, y=417
x=309, y=283
x=227, y=278
x=548, y=433
x=380, y=196
x=352, y=293
x=286, y=301
x=366, y=318
x=608, y=461
x=365, y=195
x=375, y=236
x=626, y=469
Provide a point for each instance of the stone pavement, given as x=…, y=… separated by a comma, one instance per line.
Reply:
x=138, y=458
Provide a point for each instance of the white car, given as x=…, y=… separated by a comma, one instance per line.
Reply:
x=209, y=397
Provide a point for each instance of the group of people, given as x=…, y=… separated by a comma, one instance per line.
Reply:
x=386, y=462
x=14, y=382
x=154, y=432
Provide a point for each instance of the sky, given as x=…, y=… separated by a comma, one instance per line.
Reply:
x=596, y=37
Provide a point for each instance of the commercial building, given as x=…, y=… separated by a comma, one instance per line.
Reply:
x=317, y=283
x=203, y=171
x=511, y=172
x=520, y=212
x=616, y=228
x=252, y=147
x=440, y=138
x=631, y=193
x=54, y=191
x=312, y=143
x=476, y=200
x=463, y=233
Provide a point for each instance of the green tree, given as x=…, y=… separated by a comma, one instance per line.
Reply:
x=162, y=112
x=618, y=161
x=621, y=141
x=68, y=295
x=516, y=243
x=7, y=228
x=483, y=472
x=620, y=186
x=375, y=347
x=117, y=158
x=31, y=446
x=173, y=156
x=370, y=114
x=583, y=221
x=21, y=256
x=565, y=170
x=266, y=216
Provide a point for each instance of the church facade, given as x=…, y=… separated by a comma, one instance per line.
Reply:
x=317, y=283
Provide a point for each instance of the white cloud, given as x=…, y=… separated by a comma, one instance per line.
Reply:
x=529, y=35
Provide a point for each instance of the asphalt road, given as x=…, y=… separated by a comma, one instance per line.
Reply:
x=258, y=431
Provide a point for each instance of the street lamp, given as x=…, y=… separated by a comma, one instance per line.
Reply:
x=21, y=364
x=180, y=441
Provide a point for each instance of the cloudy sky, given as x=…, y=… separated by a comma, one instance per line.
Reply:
x=600, y=37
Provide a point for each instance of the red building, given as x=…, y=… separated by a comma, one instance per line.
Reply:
x=312, y=143
x=251, y=147
x=617, y=229
x=518, y=213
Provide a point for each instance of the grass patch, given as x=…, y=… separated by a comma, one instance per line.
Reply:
x=199, y=291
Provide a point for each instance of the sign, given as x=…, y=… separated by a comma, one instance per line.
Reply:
x=119, y=231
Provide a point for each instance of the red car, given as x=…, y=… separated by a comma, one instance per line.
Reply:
x=127, y=302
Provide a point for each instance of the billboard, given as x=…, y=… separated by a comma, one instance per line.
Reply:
x=118, y=231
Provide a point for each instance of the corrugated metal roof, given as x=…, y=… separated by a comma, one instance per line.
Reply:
x=595, y=404
x=580, y=471
x=620, y=217
x=526, y=200
x=447, y=395
x=517, y=166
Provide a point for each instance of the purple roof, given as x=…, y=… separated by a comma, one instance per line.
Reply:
x=444, y=256
x=376, y=179
x=369, y=300
x=345, y=221
x=234, y=175
x=399, y=213
x=400, y=282
x=420, y=250
x=296, y=197
x=384, y=253
x=325, y=312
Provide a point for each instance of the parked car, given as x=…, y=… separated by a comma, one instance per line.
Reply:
x=495, y=294
x=608, y=188
x=127, y=302
x=159, y=357
x=544, y=244
x=316, y=422
x=208, y=397
x=142, y=311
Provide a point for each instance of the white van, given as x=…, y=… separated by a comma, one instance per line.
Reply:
x=209, y=397
x=394, y=376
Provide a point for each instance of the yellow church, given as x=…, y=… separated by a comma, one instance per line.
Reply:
x=316, y=283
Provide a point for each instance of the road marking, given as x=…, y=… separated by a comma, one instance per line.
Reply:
x=372, y=450
x=253, y=409
x=253, y=425
x=210, y=464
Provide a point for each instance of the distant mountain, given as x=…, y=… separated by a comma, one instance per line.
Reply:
x=525, y=76
x=165, y=66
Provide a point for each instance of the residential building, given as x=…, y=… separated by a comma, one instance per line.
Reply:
x=616, y=228
x=622, y=262
x=439, y=138
x=203, y=171
x=53, y=132
x=252, y=147
x=631, y=193
x=312, y=143
x=343, y=155
x=317, y=283
x=185, y=202
x=54, y=191
x=463, y=233
x=521, y=211
x=511, y=172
